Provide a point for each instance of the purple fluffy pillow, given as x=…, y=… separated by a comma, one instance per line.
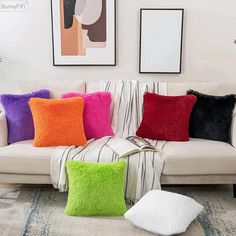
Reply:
x=96, y=113
x=18, y=114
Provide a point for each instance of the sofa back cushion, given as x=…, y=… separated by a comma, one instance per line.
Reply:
x=228, y=88
x=56, y=88
x=176, y=89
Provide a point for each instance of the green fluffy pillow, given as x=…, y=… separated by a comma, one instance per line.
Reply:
x=96, y=189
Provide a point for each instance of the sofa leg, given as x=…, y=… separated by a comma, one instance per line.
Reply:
x=234, y=189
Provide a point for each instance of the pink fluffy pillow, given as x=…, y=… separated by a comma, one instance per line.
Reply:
x=96, y=113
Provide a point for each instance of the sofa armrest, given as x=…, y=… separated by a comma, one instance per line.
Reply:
x=233, y=130
x=3, y=129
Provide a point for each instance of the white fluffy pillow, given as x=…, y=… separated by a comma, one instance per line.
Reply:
x=164, y=212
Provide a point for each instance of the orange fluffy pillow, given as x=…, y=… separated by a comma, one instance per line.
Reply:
x=58, y=122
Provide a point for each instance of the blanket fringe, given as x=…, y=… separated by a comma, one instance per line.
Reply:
x=131, y=202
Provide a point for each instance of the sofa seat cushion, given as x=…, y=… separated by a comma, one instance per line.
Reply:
x=199, y=157
x=23, y=158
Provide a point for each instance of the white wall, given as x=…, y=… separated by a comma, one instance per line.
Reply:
x=209, y=52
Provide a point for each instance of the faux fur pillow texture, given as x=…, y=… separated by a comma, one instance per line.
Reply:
x=164, y=213
x=96, y=189
x=212, y=116
x=58, y=122
x=18, y=114
x=166, y=117
x=96, y=113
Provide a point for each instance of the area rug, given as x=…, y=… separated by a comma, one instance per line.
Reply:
x=38, y=210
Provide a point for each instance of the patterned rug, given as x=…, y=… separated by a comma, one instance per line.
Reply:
x=39, y=211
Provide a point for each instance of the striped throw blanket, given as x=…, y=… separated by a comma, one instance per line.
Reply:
x=143, y=169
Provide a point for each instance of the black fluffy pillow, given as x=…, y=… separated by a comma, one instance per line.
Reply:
x=212, y=116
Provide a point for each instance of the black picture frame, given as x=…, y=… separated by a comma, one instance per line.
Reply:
x=181, y=41
x=115, y=42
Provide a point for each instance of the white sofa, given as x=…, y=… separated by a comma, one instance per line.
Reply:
x=195, y=162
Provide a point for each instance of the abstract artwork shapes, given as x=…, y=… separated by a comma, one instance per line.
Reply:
x=84, y=32
x=89, y=11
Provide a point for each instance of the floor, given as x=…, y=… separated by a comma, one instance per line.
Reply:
x=38, y=210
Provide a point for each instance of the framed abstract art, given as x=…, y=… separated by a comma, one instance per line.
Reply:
x=84, y=32
x=161, y=36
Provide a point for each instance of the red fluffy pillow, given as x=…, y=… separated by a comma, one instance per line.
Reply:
x=166, y=117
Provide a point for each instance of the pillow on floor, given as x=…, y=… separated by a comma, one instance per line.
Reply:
x=19, y=118
x=212, y=116
x=96, y=189
x=96, y=115
x=166, y=117
x=58, y=122
x=164, y=213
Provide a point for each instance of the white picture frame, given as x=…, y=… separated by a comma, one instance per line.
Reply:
x=161, y=36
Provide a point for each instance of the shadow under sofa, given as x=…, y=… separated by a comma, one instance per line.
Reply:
x=185, y=163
